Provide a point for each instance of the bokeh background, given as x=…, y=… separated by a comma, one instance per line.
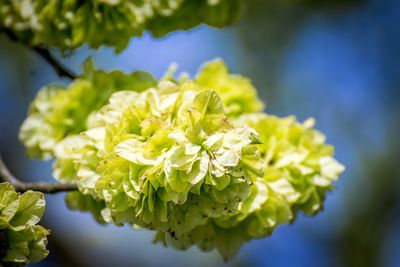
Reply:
x=335, y=60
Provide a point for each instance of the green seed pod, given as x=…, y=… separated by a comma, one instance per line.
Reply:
x=299, y=165
x=299, y=169
x=68, y=24
x=22, y=241
x=158, y=156
x=194, y=160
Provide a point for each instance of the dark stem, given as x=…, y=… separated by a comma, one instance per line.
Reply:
x=48, y=188
x=5, y=173
x=58, y=68
x=61, y=70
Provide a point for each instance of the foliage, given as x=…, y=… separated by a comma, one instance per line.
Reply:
x=22, y=241
x=70, y=24
x=195, y=160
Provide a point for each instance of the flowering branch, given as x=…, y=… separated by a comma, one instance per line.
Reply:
x=49, y=188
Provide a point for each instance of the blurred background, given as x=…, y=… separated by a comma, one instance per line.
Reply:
x=335, y=60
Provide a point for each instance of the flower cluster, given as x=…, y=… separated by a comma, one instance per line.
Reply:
x=298, y=170
x=70, y=24
x=22, y=241
x=167, y=158
x=195, y=160
x=299, y=165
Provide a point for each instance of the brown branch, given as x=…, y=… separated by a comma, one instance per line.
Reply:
x=61, y=70
x=5, y=173
x=48, y=188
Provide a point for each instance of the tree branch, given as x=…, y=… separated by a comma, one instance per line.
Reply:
x=61, y=70
x=5, y=173
x=58, y=68
x=48, y=188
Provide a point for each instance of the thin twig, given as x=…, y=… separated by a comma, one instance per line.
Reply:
x=61, y=70
x=5, y=173
x=48, y=188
